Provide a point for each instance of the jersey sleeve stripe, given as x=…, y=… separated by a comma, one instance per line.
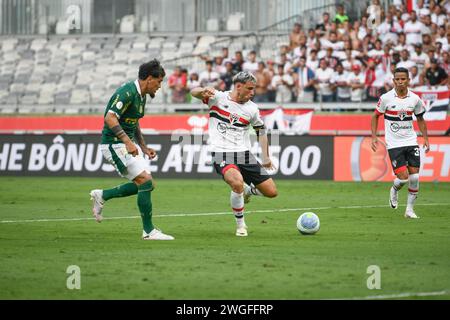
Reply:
x=117, y=115
x=378, y=112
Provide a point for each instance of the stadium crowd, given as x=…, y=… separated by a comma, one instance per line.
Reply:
x=339, y=60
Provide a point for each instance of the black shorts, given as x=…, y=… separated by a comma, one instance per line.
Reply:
x=404, y=157
x=245, y=162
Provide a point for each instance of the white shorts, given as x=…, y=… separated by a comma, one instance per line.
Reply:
x=125, y=164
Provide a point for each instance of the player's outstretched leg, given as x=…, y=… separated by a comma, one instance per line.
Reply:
x=395, y=188
x=413, y=190
x=144, y=202
x=99, y=197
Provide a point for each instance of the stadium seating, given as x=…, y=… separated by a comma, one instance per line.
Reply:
x=39, y=74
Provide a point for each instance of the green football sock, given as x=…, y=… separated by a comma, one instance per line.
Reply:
x=144, y=202
x=124, y=190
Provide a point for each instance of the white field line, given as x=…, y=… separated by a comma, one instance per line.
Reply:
x=214, y=213
x=398, y=295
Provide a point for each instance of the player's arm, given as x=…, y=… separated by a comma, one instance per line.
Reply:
x=113, y=123
x=203, y=94
x=374, y=128
x=263, y=141
x=423, y=129
x=141, y=142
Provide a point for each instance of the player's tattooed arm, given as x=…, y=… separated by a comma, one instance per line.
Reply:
x=141, y=142
x=113, y=123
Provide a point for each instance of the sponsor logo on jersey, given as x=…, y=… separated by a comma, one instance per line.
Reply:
x=221, y=127
x=395, y=127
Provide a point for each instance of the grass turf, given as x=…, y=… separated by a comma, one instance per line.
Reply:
x=207, y=261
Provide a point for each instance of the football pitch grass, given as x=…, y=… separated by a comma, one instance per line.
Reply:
x=46, y=226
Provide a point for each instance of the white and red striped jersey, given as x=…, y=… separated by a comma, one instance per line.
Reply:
x=398, y=118
x=229, y=123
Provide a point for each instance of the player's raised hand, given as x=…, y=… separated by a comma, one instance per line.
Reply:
x=131, y=149
x=426, y=146
x=208, y=92
x=374, y=144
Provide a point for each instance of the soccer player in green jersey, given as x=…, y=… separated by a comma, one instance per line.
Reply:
x=124, y=147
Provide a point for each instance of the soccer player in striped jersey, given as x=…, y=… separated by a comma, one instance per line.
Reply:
x=231, y=114
x=124, y=147
x=398, y=107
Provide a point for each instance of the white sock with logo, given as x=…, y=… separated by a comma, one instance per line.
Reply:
x=237, y=204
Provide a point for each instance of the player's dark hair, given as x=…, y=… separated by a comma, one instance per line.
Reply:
x=401, y=70
x=152, y=68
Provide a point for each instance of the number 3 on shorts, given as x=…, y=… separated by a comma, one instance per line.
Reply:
x=417, y=152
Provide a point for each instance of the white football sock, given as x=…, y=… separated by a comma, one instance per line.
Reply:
x=413, y=190
x=237, y=204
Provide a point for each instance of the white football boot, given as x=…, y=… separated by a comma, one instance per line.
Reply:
x=241, y=231
x=97, y=204
x=156, y=234
x=409, y=213
x=393, y=198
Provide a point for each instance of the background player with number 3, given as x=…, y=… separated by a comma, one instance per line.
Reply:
x=398, y=107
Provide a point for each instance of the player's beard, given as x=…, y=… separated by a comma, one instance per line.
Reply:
x=152, y=95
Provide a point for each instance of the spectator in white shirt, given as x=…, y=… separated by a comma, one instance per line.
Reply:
x=340, y=83
x=283, y=83
x=304, y=82
x=377, y=52
x=413, y=29
x=405, y=62
x=416, y=78
x=323, y=79
x=250, y=65
x=438, y=16
x=442, y=37
x=332, y=42
x=312, y=61
x=209, y=78
x=349, y=60
x=422, y=11
x=401, y=43
x=389, y=29
x=419, y=57
x=356, y=80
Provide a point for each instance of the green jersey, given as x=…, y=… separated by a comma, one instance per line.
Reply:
x=128, y=105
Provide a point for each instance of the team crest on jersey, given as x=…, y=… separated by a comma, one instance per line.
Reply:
x=222, y=164
x=402, y=114
x=394, y=163
x=233, y=118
